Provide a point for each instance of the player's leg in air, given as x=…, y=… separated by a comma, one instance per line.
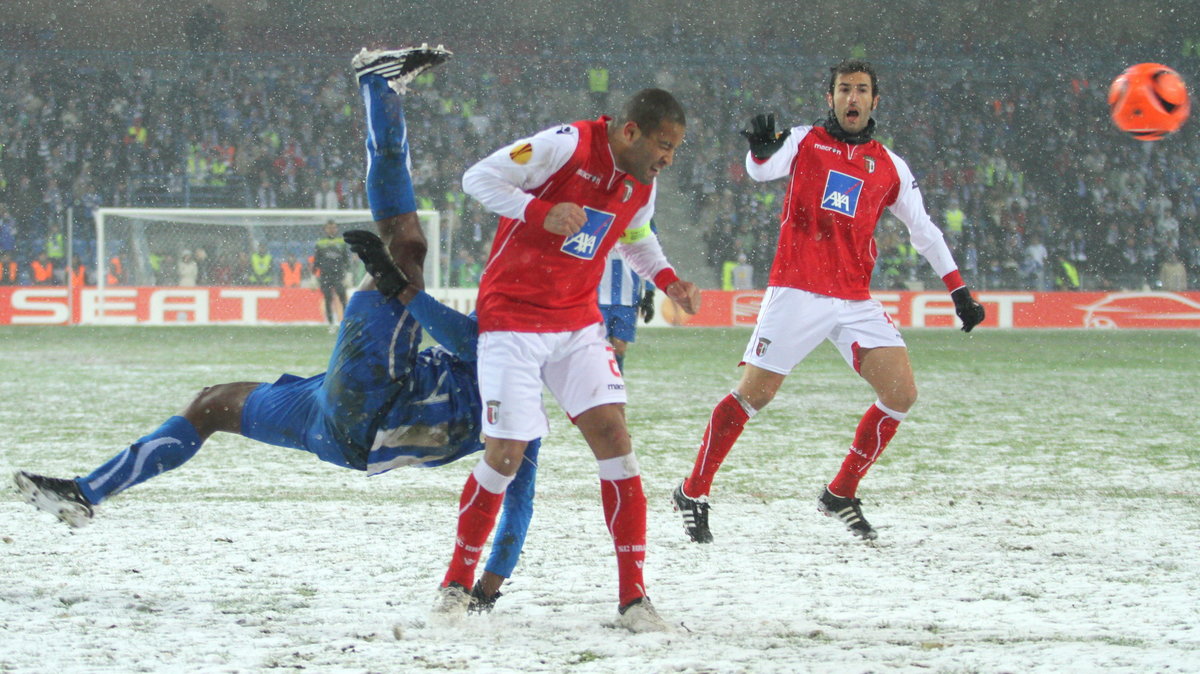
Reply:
x=382, y=76
x=223, y=407
x=216, y=408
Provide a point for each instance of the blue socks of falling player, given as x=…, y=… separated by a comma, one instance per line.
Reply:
x=168, y=447
x=389, y=183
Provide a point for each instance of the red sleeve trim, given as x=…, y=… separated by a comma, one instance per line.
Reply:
x=665, y=278
x=536, y=210
x=954, y=281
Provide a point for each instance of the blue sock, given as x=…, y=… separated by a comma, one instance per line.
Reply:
x=389, y=184
x=168, y=447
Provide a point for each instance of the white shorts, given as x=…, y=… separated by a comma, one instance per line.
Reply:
x=793, y=322
x=578, y=367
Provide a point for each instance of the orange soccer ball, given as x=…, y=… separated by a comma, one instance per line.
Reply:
x=1149, y=101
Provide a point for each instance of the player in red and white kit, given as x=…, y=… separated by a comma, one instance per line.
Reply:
x=565, y=196
x=840, y=182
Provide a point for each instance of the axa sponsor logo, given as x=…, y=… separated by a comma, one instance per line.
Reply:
x=586, y=242
x=841, y=193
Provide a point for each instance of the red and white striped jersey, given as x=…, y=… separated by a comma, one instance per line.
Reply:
x=836, y=195
x=536, y=281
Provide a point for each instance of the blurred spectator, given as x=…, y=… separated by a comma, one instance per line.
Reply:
x=741, y=275
x=1172, y=275
x=202, y=264
x=189, y=271
x=8, y=231
x=166, y=272
x=1034, y=266
x=10, y=270
x=43, y=271
x=269, y=130
x=331, y=260
x=262, y=267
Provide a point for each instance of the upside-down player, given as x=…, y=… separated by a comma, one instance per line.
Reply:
x=382, y=403
x=840, y=182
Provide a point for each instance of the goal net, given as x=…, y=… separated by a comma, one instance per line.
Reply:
x=144, y=246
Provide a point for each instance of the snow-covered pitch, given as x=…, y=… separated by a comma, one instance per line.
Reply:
x=1038, y=511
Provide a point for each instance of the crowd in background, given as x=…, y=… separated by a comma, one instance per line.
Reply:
x=1016, y=159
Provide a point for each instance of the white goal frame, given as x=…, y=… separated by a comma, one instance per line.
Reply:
x=262, y=217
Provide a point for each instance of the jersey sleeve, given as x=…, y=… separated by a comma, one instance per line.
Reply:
x=644, y=254
x=456, y=332
x=909, y=207
x=501, y=181
x=515, y=515
x=778, y=165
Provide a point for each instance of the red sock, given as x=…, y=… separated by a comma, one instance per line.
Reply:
x=625, y=514
x=477, y=510
x=874, y=432
x=724, y=427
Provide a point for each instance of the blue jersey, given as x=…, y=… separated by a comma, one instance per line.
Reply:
x=383, y=402
x=620, y=285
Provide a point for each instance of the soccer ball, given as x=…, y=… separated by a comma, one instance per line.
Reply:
x=1148, y=101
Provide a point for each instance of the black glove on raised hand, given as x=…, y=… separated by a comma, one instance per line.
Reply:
x=389, y=280
x=764, y=140
x=646, y=306
x=969, y=311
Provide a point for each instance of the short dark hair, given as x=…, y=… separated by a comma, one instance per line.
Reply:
x=854, y=66
x=650, y=108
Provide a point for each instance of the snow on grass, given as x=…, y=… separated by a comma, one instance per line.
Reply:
x=1037, y=512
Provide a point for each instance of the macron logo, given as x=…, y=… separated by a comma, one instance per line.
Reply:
x=841, y=193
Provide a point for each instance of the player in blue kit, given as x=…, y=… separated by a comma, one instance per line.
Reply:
x=383, y=402
x=624, y=295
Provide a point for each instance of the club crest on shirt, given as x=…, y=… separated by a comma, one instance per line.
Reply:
x=841, y=193
x=493, y=411
x=870, y=162
x=584, y=243
x=521, y=154
x=626, y=191
x=760, y=349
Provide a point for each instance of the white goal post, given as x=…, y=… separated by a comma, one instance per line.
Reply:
x=139, y=234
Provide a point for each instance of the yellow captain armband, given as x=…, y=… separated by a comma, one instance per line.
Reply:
x=635, y=235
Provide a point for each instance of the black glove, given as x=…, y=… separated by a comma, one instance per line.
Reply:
x=646, y=306
x=481, y=603
x=764, y=141
x=969, y=311
x=389, y=280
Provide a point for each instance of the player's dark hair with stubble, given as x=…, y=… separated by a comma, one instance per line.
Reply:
x=649, y=108
x=854, y=66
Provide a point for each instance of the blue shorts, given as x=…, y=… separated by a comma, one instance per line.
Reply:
x=620, y=321
x=335, y=415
